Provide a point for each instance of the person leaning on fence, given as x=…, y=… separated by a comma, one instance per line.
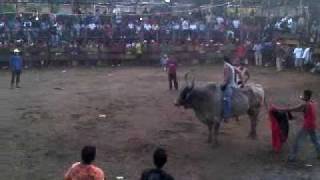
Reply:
x=16, y=65
x=159, y=160
x=85, y=169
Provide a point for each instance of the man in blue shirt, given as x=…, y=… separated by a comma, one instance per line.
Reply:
x=16, y=68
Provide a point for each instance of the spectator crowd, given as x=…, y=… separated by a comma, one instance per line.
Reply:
x=245, y=39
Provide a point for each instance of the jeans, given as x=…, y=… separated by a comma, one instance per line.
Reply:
x=227, y=96
x=298, y=62
x=54, y=40
x=258, y=58
x=279, y=63
x=300, y=139
x=15, y=77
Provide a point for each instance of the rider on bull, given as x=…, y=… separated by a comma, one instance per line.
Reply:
x=228, y=86
x=244, y=75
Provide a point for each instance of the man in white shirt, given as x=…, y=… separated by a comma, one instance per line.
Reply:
x=185, y=25
x=307, y=56
x=185, y=28
x=236, y=23
x=298, y=54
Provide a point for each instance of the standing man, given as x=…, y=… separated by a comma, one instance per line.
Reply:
x=257, y=48
x=298, y=53
x=307, y=57
x=172, y=73
x=16, y=68
x=308, y=108
x=163, y=62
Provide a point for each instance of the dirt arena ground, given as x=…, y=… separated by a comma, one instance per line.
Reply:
x=44, y=125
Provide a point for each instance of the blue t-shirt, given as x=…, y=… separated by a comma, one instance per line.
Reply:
x=16, y=63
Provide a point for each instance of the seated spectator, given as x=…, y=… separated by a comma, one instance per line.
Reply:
x=159, y=160
x=85, y=169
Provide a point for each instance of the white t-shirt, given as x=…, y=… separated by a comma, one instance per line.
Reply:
x=236, y=23
x=155, y=27
x=220, y=20
x=298, y=52
x=307, y=55
x=92, y=26
x=138, y=28
x=185, y=25
x=193, y=26
x=131, y=26
x=147, y=27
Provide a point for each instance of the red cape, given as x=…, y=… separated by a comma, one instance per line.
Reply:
x=277, y=135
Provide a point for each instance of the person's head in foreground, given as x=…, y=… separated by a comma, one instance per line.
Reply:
x=307, y=94
x=159, y=158
x=88, y=154
x=85, y=169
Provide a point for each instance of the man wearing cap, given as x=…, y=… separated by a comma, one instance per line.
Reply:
x=16, y=68
x=308, y=108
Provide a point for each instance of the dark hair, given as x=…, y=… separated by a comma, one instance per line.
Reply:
x=159, y=158
x=88, y=154
x=307, y=94
x=226, y=59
